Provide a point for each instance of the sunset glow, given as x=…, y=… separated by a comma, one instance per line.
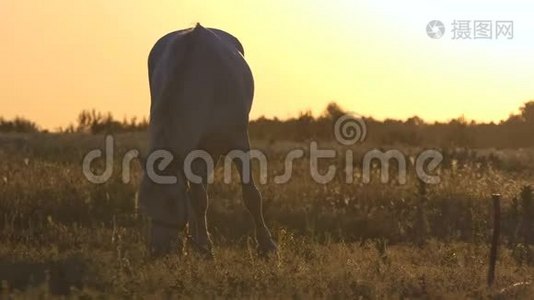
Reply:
x=372, y=57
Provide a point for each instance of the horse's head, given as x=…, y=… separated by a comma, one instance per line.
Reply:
x=163, y=197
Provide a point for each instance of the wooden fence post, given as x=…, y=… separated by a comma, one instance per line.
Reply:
x=495, y=238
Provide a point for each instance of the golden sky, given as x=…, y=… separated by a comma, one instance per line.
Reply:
x=58, y=57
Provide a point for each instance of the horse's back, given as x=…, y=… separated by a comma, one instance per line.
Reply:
x=201, y=88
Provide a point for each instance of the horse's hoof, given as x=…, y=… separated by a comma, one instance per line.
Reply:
x=201, y=249
x=164, y=241
x=204, y=252
x=267, y=249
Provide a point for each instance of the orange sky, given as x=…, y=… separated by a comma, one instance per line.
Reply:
x=373, y=57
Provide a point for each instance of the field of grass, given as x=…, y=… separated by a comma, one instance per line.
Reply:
x=60, y=233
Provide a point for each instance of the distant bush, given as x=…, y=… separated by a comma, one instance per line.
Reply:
x=91, y=121
x=18, y=124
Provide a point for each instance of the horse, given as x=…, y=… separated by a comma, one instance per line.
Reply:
x=201, y=92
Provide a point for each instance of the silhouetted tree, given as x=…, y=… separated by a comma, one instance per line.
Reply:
x=333, y=111
x=415, y=121
x=527, y=112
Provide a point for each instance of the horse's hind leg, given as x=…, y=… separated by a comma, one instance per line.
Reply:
x=199, y=239
x=253, y=202
x=252, y=198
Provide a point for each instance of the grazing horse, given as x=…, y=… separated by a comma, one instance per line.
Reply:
x=201, y=94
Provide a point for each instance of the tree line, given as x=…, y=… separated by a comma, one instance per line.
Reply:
x=515, y=132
